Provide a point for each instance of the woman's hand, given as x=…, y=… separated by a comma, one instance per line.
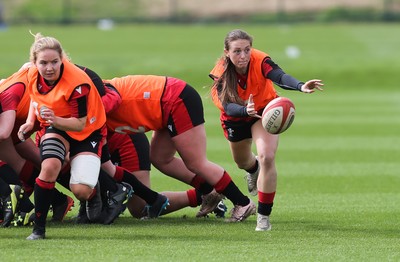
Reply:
x=23, y=130
x=311, y=85
x=250, y=108
x=47, y=114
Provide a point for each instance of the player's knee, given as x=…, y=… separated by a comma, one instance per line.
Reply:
x=266, y=158
x=81, y=192
x=197, y=166
x=50, y=169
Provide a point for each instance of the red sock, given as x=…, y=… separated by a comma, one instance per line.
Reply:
x=223, y=182
x=119, y=174
x=191, y=193
x=266, y=198
x=197, y=181
x=44, y=184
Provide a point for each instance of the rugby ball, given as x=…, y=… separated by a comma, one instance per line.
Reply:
x=278, y=115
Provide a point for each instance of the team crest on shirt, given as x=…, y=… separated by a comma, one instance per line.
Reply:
x=146, y=95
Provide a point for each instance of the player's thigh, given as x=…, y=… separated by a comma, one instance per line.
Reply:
x=161, y=146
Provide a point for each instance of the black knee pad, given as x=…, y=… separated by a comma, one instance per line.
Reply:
x=52, y=148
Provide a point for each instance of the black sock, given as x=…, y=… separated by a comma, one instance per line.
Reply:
x=233, y=193
x=58, y=198
x=139, y=188
x=264, y=209
x=253, y=169
x=205, y=188
x=201, y=185
x=43, y=198
x=198, y=197
x=107, y=183
x=8, y=175
x=5, y=189
x=25, y=204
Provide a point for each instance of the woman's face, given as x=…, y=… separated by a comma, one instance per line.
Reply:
x=48, y=63
x=239, y=53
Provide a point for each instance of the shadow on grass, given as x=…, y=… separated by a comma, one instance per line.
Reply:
x=128, y=228
x=199, y=229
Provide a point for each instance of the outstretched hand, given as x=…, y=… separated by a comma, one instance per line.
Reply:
x=311, y=85
x=250, y=108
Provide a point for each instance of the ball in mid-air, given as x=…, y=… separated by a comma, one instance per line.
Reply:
x=278, y=115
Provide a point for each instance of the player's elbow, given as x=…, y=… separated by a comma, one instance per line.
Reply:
x=80, y=124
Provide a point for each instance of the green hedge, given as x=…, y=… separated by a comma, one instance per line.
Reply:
x=122, y=11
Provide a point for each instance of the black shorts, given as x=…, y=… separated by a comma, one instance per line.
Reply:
x=92, y=143
x=130, y=151
x=184, y=112
x=236, y=131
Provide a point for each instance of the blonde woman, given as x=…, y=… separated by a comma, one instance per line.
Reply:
x=72, y=118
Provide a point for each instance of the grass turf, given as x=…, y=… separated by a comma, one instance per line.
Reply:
x=337, y=196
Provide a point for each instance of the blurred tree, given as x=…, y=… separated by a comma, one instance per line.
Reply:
x=66, y=12
x=1, y=14
x=388, y=13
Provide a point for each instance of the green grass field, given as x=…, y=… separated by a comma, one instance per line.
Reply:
x=338, y=191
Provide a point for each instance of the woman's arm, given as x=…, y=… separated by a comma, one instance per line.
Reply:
x=64, y=124
x=78, y=107
x=29, y=123
x=7, y=120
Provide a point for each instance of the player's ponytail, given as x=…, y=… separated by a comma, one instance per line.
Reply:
x=42, y=43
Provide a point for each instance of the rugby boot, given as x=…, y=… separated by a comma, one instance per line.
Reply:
x=263, y=223
x=82, y=217
x=94, y=206
x=37, y=233
x=60, y=211
x=209, y=202
x=220, y=209
x=1, y=212
x=10, y=205
x=240, y=213
x=24, y=218
x=116, y=202
x=156, y=209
